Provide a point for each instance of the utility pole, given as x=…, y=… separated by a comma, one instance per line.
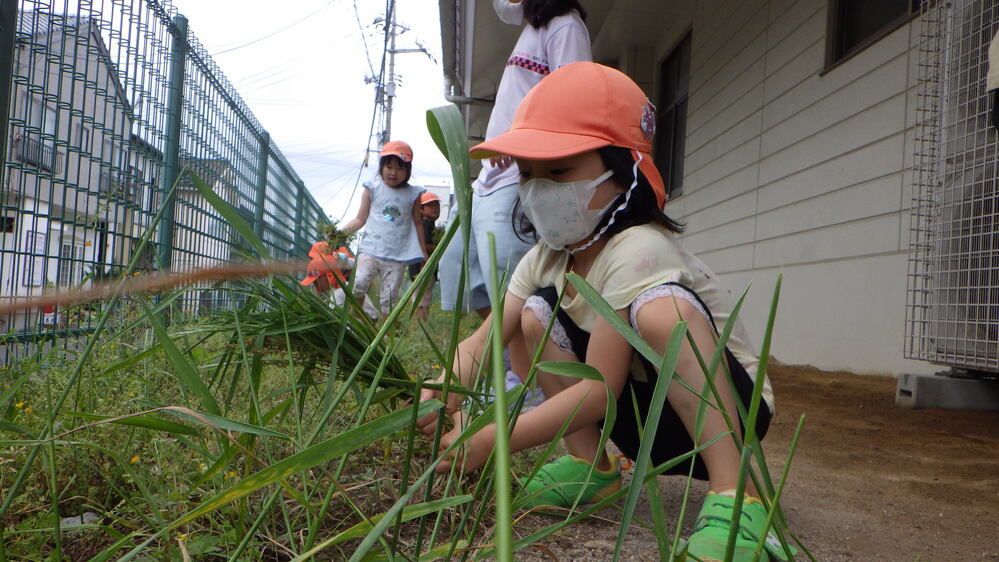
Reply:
x=390, y=86
x=387, y=84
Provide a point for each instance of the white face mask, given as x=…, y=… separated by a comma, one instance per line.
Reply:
x=509, y=12
x=560, y=211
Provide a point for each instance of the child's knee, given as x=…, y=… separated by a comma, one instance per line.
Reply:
x=530, y=325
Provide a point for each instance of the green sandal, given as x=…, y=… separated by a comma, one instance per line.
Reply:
x=712, y=529
x=559, y=483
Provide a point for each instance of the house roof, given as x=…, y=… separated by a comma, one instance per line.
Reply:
x=35, y=25
x=211, y=170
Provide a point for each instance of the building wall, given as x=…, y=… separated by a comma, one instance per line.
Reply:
x=64, y=203
x=795, y=171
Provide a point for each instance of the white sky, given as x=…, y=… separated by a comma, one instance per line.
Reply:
x=305, y=84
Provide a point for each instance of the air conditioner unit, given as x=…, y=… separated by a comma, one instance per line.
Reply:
x=953, y=290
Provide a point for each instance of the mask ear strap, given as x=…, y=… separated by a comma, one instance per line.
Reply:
x=627, y=198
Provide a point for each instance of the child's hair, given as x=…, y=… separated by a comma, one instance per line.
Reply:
x=408, y=166
x=539, y=12
x=642, y=207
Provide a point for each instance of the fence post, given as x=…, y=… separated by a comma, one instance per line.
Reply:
x=171, y=152
x=300, y=227
x=8, y=32
x=258, y=208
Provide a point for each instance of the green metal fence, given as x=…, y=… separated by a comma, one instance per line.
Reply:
x=111, y=104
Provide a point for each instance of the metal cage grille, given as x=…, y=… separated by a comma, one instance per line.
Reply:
x=952, y=315
x=112, y=104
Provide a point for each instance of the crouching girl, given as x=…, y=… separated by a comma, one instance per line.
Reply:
x=582, y=140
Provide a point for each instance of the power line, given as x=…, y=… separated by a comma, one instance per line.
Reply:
x=389, y=18
x=268, y=36
x=364, y=41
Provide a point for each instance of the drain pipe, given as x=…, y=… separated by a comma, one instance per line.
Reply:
x=462, y=100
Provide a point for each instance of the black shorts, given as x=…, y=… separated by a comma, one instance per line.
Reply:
x=672, y=439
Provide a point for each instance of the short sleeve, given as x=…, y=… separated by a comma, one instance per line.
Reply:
x=525, y=282
x=569, y=43
x=636, y=260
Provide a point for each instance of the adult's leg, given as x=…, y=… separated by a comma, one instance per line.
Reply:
x=449, y=272
x=493, y=214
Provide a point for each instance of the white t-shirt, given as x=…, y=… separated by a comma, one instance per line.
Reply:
x=537, y=54
x=637, y=259
x=390, y=232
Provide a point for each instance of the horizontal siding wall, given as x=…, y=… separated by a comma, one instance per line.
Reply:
x=789, y=170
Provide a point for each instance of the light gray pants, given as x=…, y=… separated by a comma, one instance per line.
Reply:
x=389, y=273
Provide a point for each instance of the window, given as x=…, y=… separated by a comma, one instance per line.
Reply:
x=38, y=148
x=83, y=138
x=34, y=249
x=6, y=225
x=856, y=24
x=671, y=122
x=70, y=264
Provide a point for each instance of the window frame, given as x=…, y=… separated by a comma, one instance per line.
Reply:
x=69, y=268
x=34, y=267
x=666, y=158
x=834, y=29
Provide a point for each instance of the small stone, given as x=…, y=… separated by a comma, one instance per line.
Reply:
x=86, y=518
x=600, y=545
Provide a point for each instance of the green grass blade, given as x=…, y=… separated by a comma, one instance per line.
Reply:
x=315, y=455
x=144, y=421
x=219, y=422
x=666, y=375
x=362, y=528
x=501, y=448
x=230, y=215
x=185, y=371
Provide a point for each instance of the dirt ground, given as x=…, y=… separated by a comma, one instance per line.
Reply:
x=869, y=481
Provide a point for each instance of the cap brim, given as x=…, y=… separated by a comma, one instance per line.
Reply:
x=535, y=144
x=398, y=155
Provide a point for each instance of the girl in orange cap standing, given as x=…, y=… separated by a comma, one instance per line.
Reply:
x=391, y=238
x=582, y=142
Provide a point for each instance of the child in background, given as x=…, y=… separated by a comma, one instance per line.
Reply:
x=430, y=209
x=392, y=238
x=323, y=274
x=329, y=270
x=583, y=136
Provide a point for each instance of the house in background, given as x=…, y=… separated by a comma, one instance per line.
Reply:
x=786, y=132
x=68, y=203
x=82, y=187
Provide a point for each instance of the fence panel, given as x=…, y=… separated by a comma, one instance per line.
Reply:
x=111, y=105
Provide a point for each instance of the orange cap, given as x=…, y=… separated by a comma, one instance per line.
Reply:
x=319, y=266
x=319, y=249
x=397, y=148
x=580, y=107
x=429, y=197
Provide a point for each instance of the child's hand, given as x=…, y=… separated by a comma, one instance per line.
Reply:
x=428, y=423
x=471, y=455
x=501, y=162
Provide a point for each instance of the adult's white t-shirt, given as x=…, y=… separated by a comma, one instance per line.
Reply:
x=537, y=54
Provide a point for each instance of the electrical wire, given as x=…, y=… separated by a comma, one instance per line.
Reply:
x=364, y=41
x=268, y=36
x=389, y=20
